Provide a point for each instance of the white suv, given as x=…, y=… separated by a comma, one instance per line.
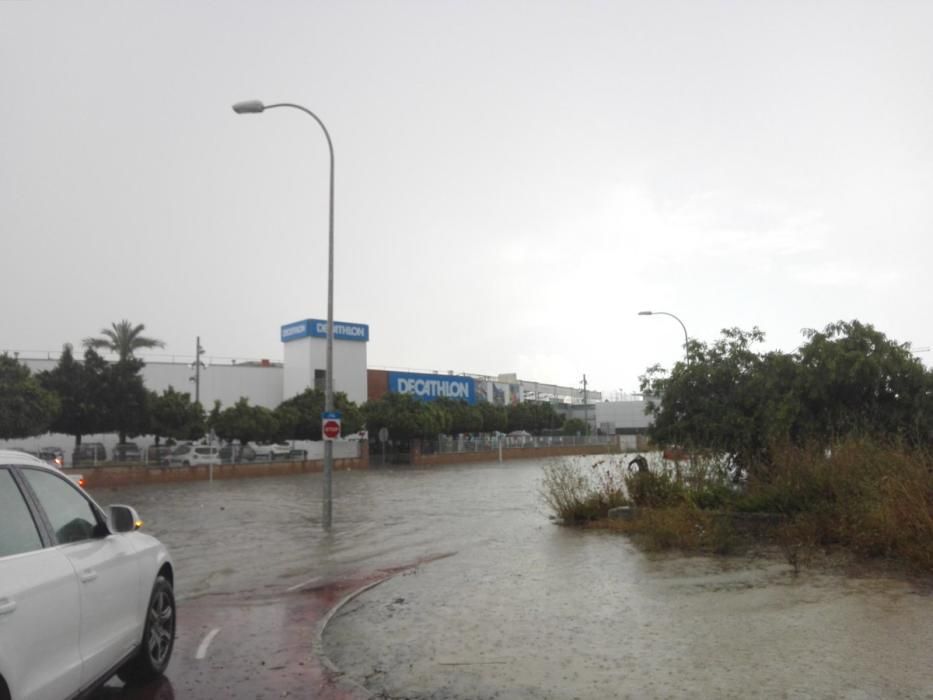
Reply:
x=83, y=593
x=190, y=455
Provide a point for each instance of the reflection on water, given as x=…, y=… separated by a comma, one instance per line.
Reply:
x=264, y=535
x=527, y=609
x=158, y=689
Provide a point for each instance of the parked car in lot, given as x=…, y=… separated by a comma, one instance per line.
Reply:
x=88, y=453
x=53, y=455
x=127, y=452
x=83, y=593
x=270, y=451
x=236, y=453
x=158, y=454
x=190, y=455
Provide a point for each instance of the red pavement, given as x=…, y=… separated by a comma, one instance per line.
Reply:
x=264, y=647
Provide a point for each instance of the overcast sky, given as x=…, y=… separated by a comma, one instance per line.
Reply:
x=514, y=182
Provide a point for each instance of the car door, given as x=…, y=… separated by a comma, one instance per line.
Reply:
x=107, y=570
x=40, y=610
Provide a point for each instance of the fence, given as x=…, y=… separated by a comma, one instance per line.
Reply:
x=487, y=443
x=455, y=450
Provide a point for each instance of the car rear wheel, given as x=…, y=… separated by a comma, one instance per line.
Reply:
x=158, y=637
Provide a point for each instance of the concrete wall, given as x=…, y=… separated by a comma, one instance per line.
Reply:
x=344, y=449
x=97, y=477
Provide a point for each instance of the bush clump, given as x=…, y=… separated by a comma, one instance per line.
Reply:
x=872, y=500
x=578, y=492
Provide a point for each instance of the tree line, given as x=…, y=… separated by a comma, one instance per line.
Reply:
x=848, y=380
x=93, y=396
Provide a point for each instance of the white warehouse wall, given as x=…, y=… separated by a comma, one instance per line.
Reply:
x=623, y=414
x=262, y=385
x=304, y=355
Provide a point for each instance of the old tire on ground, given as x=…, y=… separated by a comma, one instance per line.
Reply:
x=158, y=637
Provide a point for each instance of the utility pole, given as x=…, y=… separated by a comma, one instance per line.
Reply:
x=198, y=351
x=586, y=410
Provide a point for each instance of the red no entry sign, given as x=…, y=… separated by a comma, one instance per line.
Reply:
x=331, y=429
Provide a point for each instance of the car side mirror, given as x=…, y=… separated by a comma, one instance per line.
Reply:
x=124, y=519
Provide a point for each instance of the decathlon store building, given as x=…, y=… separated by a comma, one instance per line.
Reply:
x=267, y=383
x=305, y=347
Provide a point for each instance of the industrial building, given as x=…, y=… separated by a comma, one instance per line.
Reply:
x=267, y=383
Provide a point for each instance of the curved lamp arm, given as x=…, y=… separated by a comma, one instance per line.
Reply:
x=257, y=107
x=667, y=313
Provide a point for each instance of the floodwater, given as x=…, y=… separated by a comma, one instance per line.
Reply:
x=527, y=609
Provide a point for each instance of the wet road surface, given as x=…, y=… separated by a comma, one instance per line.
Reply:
x=522, y=609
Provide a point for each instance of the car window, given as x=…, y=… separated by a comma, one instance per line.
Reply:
x=70, y=513
x=18, y=531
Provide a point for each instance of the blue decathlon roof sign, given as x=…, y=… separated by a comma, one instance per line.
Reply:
x=316, y=328
x=429, y=387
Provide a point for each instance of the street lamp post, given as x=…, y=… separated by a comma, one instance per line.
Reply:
x=255, y=107
x=665, y=313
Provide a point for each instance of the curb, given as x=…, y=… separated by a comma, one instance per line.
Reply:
x=317, y=643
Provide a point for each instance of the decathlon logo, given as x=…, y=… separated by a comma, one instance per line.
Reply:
x=293, y=331
x=429, y=387
x=343, y=331
x=316, y=328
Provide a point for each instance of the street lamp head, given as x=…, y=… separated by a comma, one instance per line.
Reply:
x=645, y=313
x=249, y=107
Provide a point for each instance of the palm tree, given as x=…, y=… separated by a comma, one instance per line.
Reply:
x=123, y=338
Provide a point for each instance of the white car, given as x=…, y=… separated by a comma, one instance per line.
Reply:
x=190, y=455
x=270, y=451
x=83, y=593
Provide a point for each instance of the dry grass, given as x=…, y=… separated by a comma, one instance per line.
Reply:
x=872, y=501
x=875, y=501
x=579, y=490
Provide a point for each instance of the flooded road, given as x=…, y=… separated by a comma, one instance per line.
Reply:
x=263, y=536
x=523, y=608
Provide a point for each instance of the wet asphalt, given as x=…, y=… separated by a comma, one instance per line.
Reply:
x=482, y=596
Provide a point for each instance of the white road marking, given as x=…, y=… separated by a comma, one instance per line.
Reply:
x=302, y=585
x=206, y=642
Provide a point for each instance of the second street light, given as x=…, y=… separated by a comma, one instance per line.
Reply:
x=665, y=313
x=256, y=107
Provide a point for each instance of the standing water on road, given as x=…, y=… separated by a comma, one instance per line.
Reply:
x=528, y=609
x=264, y=535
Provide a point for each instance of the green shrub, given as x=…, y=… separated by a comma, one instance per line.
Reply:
x=655, y=490
x=579, y=492
x=871, y=499
x=713, y=497
x=682, y=527
x=875, y=500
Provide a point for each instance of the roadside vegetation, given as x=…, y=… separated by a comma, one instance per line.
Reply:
x=869, y=500
x=89, y=395
x=824, y=449
x=579, y=491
